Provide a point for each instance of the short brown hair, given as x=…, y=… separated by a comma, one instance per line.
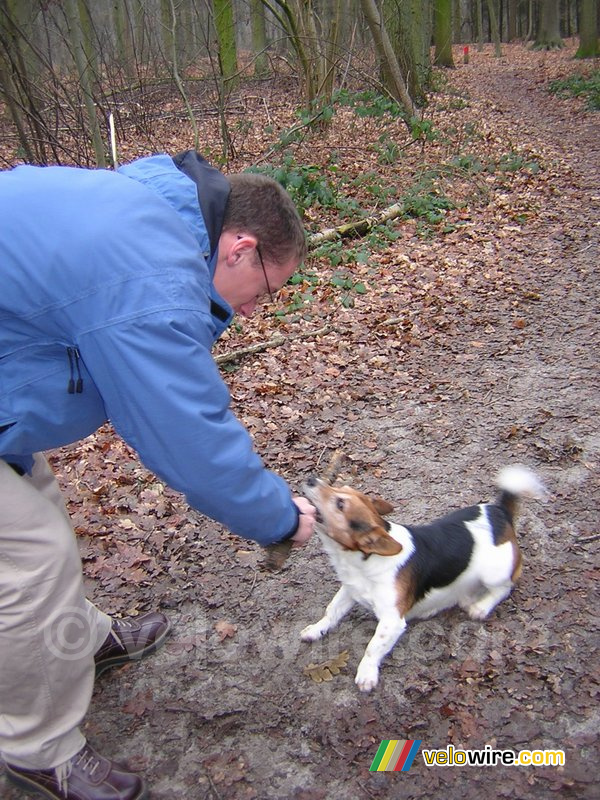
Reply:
x=260, y=206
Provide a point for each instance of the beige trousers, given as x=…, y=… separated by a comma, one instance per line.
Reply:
x=49, y=632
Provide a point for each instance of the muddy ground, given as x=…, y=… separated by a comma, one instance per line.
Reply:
x=225, y=712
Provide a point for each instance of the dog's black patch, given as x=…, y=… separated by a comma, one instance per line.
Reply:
x=359, y=525
x=499, y=516
x=443, y=549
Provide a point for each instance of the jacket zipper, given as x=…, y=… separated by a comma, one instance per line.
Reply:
x=75, y=385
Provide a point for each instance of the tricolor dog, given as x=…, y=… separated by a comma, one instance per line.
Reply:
x=468, y=558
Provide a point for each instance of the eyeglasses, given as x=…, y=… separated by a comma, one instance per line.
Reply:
x=262, y=263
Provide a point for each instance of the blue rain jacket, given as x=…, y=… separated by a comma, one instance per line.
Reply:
x=107, y=312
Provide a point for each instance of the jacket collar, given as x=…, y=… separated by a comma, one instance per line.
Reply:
x=213, y=190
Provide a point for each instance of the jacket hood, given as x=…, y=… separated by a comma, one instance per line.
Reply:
x=193, y=188
x=198, y=193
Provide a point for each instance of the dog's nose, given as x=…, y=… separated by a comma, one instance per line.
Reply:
x=312, y=481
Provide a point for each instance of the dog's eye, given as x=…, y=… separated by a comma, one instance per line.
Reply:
x=340, y=503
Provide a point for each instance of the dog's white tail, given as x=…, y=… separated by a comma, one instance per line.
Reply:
x=520, y=481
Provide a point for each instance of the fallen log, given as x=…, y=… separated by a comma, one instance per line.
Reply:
x=359, y=228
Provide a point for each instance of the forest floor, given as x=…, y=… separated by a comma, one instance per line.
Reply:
x=471, y=344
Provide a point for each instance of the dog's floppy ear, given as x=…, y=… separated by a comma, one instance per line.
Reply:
x=378, y=541
x=381, y=506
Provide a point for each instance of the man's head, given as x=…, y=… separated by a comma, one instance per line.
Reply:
x=261, y=224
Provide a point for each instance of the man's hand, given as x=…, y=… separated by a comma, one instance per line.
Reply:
x=306, y=525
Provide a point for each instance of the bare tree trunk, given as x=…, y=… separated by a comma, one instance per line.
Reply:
x=549, y=37
x=409, y=27
x=442, y=33
x=289, y=22
x=259, y=38
x=87, y=41
x=305, y=14
x=386, y=53
x=84, y=73
x=8, y=91
x=479, y=13
x=331, y=46
x=529, y=21
x=319, y=35
x=513, y=11
x=494, y=27
x=456, y=22
x=314, y=38
x=225, y=28
x=124, y=38
x=20, y=79
x=177, y=76
x=166, y=27
x=588, y=34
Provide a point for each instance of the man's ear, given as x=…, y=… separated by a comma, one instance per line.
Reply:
x=381, y=506
x=240, y=246
x=378, y=540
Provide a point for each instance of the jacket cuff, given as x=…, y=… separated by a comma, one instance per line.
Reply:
x=294, y=529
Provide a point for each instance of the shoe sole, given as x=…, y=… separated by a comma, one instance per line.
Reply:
x=28, y=785
x=118, y=661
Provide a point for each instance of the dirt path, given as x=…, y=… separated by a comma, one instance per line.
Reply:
x=221, y=717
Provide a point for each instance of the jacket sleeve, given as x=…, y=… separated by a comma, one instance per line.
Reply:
x=164, y=395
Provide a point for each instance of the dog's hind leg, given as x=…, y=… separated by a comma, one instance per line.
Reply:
x=338, y=608
x=387, y=633
x=489, y=600
x=499, y=567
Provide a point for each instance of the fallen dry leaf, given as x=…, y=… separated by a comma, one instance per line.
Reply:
x=325, y=671
x=140, y=703
x=225, y=629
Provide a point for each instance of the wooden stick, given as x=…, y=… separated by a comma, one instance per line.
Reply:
x=334, y=467
x=277, y=553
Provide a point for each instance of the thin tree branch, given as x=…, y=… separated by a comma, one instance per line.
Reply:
x=276, y=341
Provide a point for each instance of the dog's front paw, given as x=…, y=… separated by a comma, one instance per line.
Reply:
x=367, y=677
x=478, y=610
x=313, y=632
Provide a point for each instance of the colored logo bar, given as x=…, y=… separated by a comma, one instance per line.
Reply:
x=395, y=755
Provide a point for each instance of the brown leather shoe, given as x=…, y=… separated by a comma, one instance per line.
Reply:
x=86, y=776
x=131, y=639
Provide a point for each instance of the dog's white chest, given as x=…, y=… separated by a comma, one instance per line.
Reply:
x=369, y=581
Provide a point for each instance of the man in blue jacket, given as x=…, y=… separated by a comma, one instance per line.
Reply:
x=115, y=285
